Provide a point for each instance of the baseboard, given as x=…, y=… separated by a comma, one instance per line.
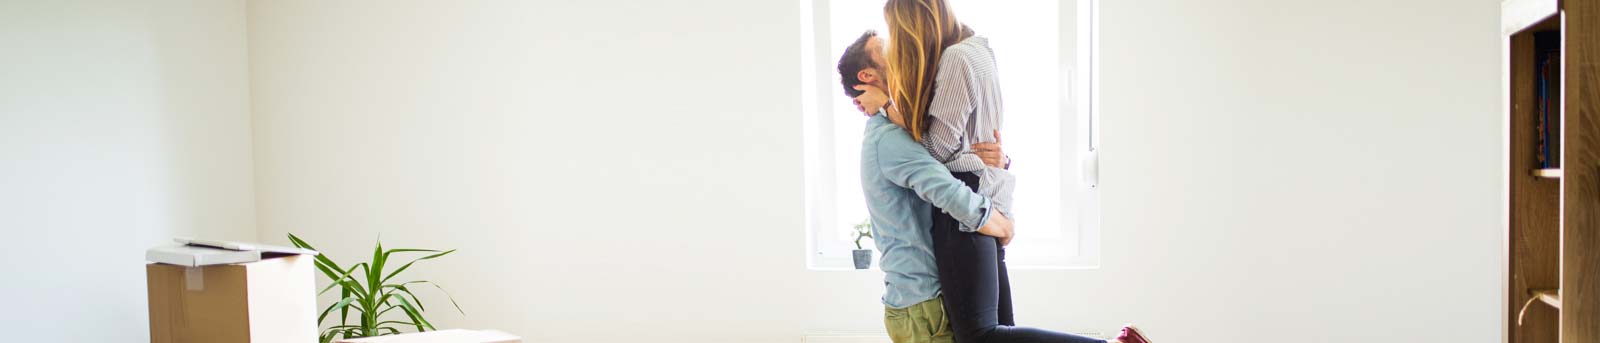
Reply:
x=845, y=337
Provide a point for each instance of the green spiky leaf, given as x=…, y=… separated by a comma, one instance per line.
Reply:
x=366, y=291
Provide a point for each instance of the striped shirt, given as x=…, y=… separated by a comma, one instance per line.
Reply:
x=967, y=109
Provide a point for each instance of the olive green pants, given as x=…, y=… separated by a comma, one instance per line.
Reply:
x=924, y=322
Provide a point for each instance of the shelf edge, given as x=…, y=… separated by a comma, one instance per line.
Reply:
x=1550, y=297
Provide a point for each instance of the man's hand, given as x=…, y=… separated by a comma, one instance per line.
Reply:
x=990, y=152
x=998, y=227
x=872, y=100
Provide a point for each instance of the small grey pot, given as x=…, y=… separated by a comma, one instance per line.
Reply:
x=863, y=258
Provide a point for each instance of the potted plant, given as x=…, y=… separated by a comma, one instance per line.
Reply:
x=862, y=256
x=371, y=291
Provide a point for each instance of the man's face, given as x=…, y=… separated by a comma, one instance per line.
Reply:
x=875, y=51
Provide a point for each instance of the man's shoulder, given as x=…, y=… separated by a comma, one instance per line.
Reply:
x=889, y=138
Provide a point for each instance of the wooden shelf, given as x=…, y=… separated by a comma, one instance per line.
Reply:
x=1518, y=15
x=1550, y=297
x=1548, y=173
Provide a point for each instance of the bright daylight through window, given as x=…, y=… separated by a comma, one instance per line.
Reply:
x=1044, y=51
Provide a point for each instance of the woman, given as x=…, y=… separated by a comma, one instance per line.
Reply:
x=942, y=80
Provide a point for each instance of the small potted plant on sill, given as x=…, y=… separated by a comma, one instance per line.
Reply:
x=862, y=256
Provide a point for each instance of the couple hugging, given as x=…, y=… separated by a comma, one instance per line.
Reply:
x=935, y=179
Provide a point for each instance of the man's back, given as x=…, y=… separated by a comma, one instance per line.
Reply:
x=900, y=180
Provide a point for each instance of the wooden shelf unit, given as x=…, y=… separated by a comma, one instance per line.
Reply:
x=1553, y=212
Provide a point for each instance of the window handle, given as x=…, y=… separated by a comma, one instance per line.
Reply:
x=1089, y=165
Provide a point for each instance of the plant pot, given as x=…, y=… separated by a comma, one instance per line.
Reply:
x=863, y=258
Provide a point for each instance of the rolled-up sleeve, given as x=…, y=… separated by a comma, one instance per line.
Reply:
x=909, y=165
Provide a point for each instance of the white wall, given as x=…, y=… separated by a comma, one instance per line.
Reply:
x=122, y=124
x=1319, y=171
x=1323, y=170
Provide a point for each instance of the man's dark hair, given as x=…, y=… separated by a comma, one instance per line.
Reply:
x=856, y=57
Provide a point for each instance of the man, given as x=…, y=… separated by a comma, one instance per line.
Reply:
x=900, y=179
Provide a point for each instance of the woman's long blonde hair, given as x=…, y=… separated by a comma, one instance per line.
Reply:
x=919, y=31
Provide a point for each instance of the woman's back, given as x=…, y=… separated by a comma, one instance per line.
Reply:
x=967, y=106
x=967, y=109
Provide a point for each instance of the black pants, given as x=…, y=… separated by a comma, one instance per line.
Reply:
x=977, y=291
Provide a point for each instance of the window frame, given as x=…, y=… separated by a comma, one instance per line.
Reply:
x=1079, y=42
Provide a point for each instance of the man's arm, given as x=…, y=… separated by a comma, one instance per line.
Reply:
x=991, y=153
x=907, y=165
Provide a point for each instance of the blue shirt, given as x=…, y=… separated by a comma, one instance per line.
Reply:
x=900, y=180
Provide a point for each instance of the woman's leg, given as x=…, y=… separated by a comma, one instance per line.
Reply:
x=967, y=278
x=1005, y=313
x=970, y=272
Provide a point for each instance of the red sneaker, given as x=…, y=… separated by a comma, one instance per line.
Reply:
x=1131, y=334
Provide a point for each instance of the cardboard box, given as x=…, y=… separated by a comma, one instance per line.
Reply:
x=442, y=336
x=271, y=300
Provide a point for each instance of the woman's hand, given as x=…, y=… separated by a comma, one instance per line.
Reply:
x=991, y=153
x=872, y=100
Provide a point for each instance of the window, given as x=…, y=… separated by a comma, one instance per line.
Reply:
x=1044, y=50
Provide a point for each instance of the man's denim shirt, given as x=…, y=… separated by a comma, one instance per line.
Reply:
x=901, y=180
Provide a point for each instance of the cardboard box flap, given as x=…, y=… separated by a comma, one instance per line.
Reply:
x=195, y=252
x=274, y=250
x=193, y=256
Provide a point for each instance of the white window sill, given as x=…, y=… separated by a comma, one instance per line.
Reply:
x=874, y=268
